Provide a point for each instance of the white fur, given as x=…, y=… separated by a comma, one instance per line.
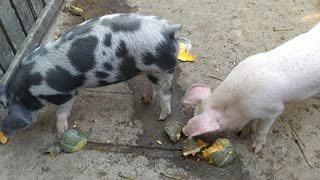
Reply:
x=257, y=89
x=63, y=112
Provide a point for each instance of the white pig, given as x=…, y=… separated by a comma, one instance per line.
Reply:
x=253, y=95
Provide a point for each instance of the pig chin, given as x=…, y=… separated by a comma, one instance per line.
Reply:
x=198, y=133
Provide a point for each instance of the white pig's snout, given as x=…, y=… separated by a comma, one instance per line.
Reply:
x=185, y=130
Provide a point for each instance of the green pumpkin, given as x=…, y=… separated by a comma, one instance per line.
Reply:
x=223, y=156
x=73, y=140
x=173, y=129
x=190, y=146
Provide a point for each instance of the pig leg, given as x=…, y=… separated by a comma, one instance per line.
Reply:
x=165, y=91
x=63, y=112
x=162, y=82
x=150, y=93
x=248, y=128
x=262, y=128
x=244, y=132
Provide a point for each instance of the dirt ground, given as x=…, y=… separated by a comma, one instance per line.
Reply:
x=123, y=133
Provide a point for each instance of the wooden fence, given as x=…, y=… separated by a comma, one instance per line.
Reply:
x=16, y=20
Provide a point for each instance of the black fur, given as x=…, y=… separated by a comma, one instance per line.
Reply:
x=107, y=65
x=127, y=68
x=61, y=80
x=81, y=53
x=101, y=74
x=57, y=99
x=107, y=39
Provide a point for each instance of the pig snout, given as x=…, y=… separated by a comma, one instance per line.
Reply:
x=206, y=122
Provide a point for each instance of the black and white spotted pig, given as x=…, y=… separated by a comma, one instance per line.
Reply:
x=99, y=52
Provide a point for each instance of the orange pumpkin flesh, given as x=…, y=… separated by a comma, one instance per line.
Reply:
x=3, y=138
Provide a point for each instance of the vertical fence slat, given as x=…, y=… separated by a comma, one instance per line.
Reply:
x=37, y=6
x=11, y=23
x=6, y=53
x=24, y=13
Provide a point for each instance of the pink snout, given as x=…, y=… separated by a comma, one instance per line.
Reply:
x=204, y=123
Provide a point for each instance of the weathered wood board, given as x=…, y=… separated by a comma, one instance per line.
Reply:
x=6, y=53
x=11, y=23
x=37, y=6
x=25, y=14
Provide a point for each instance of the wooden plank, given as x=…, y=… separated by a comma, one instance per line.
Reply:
x=35, y=35
x=1, y=74
x=24, y=13
x=11, y=23
x=6, y=53
x=37, y=6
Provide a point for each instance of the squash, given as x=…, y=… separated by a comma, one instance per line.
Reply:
x=73, y=140
x=173, y=129
x=220, y=153
x=3, y=138
x=190, y=146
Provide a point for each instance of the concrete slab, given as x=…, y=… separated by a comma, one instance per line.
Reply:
x=224, y=33
x=123, y=132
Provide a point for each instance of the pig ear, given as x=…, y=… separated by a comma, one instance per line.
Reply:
x=18, y=117
x=206, y=122
x=195, y=94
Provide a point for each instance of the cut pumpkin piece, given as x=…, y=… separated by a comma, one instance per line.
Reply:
x=3, y=138
x=173, y=129
x=185, y=55
x=220, y=153
x=190, y=146
x=202, y=144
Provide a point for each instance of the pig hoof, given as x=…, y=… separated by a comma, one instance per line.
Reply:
x=256, y=148
x=61, y=128
x=162, y=116
x=146, y=100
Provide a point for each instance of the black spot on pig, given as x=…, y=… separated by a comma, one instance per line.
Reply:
x=122, y=50
x=28, y=100
x=103, y=53
x=57, y=99
x=107, y=39
x=148, y=58
x=61, y=80
x=34, y=79
x=166, y=56
x=24, y=79
x=123, y=22
x=101, y=74
x=108, y=66
x=128, y=67
x=81, y=53
x=153, y=79
x=19, y=86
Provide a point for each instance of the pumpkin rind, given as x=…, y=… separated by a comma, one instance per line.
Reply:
x=73, y=140
x=190, y=146
x=173, y=129
x=224, y=155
